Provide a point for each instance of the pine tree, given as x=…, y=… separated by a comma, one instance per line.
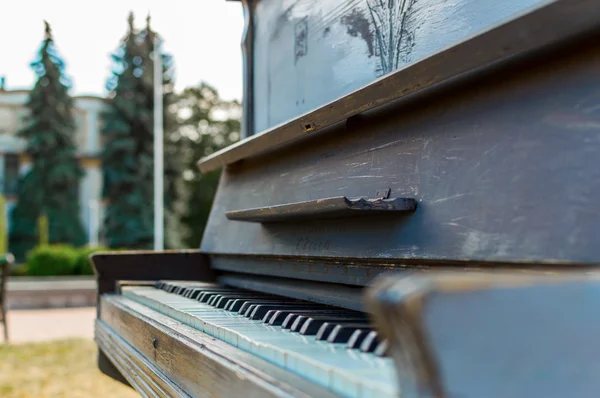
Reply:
x=51, y=186
x=128, y=150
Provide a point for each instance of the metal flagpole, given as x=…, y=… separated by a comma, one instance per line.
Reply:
x=158, y=149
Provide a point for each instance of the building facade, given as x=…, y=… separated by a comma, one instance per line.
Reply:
x=14, y=162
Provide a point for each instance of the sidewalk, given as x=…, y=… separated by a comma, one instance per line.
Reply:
x=49, y=324
x=24, y=293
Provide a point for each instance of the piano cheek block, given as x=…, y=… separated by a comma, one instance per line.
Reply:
x=491, y=335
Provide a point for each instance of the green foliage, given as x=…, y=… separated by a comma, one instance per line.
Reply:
x=207, y=124
x=51, y=185
x=43, y=230
x=57, y=260
x=20, y=270
x=128, y=150
x=52, y=260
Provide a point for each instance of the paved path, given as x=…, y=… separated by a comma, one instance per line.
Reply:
x=49, y=324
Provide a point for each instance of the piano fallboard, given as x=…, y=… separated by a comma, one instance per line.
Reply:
x=503, y=169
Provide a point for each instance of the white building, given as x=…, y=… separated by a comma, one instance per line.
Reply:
x=14, y=162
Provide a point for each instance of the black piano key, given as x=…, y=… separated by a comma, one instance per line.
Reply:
x=257, y=313
x=249, y=310
x=356, y=339
x=289, y=320
x=194, y=294
x=370, y=342
x=268, y=316
x=192, y=291
x=291, y=317
x=298, y=322
x=342, y=332
x=171, y=288
x=271, y=315
x=280, y=316
x=222, y=299
x=260, y=311
x=215, y=300
x=235, y=303
x=313, y=324
x=381, y=349
x=301, y=320
x=211, y=301
x=325, y=330
x=206, y=295
x=163, y=285
x=247, y=304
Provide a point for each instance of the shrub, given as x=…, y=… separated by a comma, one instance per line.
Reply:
x=20, y=270
x=83, y=266
x=52, y=260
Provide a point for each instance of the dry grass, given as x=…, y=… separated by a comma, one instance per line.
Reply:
x=65, y=368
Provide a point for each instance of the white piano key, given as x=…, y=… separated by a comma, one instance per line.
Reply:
x=347, y=372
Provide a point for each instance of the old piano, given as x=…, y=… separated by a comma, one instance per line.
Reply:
x=414, y=211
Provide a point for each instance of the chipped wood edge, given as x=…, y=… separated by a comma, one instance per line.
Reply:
x=396, y=303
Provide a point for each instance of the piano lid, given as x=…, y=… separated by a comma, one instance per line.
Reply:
x=522, y=34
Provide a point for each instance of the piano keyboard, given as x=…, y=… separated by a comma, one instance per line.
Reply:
x=333, y=347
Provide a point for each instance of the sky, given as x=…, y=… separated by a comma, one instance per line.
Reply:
x=202, y=35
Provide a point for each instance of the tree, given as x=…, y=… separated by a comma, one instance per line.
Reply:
x=128, y=150
x=207, y=124
x=51, y=186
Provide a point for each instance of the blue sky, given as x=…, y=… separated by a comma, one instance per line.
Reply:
x=202, y=35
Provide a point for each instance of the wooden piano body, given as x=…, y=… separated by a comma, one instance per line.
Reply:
x=441, y=174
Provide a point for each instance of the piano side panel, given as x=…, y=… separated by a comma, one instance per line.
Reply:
x=310, y=52
x=504, y=169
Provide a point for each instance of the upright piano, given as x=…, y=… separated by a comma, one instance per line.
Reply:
x=414, y=211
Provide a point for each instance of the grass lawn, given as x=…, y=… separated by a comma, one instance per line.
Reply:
x=63, y=368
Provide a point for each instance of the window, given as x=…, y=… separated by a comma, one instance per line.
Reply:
x=80, y=130
x=6, y=120
x=11, y=174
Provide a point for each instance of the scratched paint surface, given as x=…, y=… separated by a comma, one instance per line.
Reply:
x=504, y=170
x=310, y=52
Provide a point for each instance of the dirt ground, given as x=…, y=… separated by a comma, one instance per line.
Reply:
x=59, y=368
x=51, y=354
